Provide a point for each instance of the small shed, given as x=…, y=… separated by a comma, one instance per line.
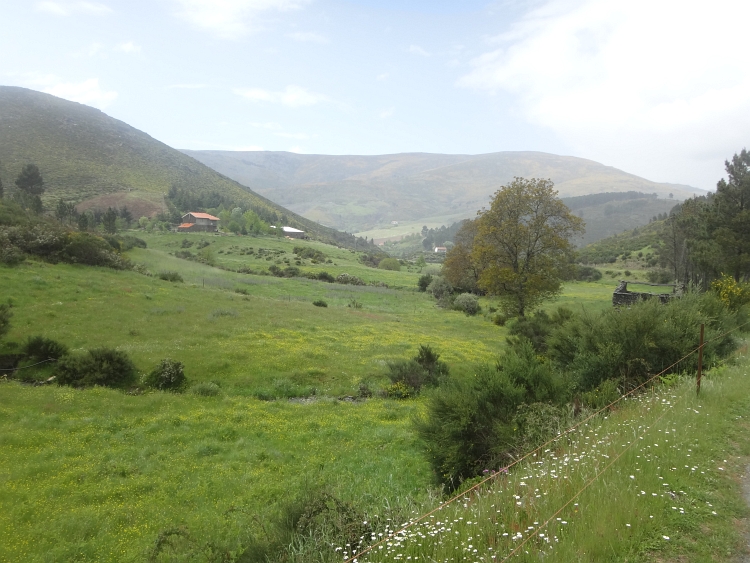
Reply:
x=441, y=249
x=198, y=222
x=291, y=232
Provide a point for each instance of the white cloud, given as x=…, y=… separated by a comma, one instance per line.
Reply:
x=87, y=92
x=385, y=114
x=95, y=49
x=382, y=77
x=417, y=50
x=128, y=47
x=308, y=37
x=231, y=19
x=291, y=96
x=69, y=8
x=647, y=85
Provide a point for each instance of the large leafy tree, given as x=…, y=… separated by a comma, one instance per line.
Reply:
x=458, y=267
x=523, y=244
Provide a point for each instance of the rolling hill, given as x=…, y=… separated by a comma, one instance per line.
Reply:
x=94, y=160
x=364, y=193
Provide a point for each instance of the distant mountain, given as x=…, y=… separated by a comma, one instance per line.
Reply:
x=87, y=157
x=361, y=193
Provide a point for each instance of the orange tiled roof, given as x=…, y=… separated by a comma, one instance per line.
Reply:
x=202, y=216
x=186, y=225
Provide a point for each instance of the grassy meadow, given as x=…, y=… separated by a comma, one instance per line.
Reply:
x=101, y=475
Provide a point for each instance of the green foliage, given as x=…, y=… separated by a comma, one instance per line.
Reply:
x=170, y=276
x=536, y=328
x=310, y=253
x=39, y=348
x=468, y=303
x=439, y=288
x=30, y=180
x=168, y=375
x=399, y=390
x=5, y=316
x=603, y=395
x=425, y=369
x=320, y=303
x=106, y=367
x=325, y=276
x=390, y=264
x=630, y=345
x=660, y=276
x=424, y=282
x=349, y=279
x=587, y=273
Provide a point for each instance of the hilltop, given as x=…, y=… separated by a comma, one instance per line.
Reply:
x=363, y=193
x=94, y=160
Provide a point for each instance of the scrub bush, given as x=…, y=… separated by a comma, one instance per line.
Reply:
x=39, y=348
x=468, y=303
x=169, y=375
x=101, y=366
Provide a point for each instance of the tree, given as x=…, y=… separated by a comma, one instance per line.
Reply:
x=109, y=220
x=458, y=267
x=729, y=221
x=522, y=247
x=30, y=187
x=5, y=315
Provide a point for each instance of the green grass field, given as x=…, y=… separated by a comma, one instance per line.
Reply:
x=100, y=475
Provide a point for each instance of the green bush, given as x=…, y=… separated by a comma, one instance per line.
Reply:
x=440, y=288
x=536, y=328
x=349, y=279
x=424, y=282
x=102, y=366
x=320, y=303
x=425, y=369
x=468, y=303
x=325, y=276
x=587, y=273
x=168, y=375
x=399, y=390
x=389, y=264
x=39, y=348
x=171, y=276
x=660, y=276
x=630, y=345
x=5, y=316
x=471, y=423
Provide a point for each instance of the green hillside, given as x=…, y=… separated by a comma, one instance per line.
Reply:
x=95, y=160
x=364, y=194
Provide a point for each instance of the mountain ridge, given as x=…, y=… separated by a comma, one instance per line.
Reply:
x=365, y=192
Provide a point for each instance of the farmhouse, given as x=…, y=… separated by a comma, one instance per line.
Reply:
x=441, y=249
x=198, y=222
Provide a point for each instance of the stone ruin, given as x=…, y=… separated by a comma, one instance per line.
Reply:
x=624, y=297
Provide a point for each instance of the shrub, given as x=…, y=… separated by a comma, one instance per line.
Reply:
x=537, y=327
x=354, y=303
x=439, y=288
x=468, y=303
x=205, y=389
x=349, y=279
x=734, y=295
x=101, y=366
x=129, y=241
x=326, y=277
x=424, y=282
x=630, y=345
x=5, y=316
x=389, y=264
x=471, y=422
x=399, y=390
x=168, y=375
x=320, y=303
x=425, y=369
x=288, y=272
x=40, y=348
x=587, y=273
x=170, y=276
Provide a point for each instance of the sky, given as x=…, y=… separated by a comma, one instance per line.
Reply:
x=658, y=88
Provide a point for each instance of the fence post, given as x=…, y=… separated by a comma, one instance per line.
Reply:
x=700, y=364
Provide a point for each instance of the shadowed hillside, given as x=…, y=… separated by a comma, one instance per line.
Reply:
x=95, y=160
x=362, y=193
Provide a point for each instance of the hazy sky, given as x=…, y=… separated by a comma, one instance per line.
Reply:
x=657, y=88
